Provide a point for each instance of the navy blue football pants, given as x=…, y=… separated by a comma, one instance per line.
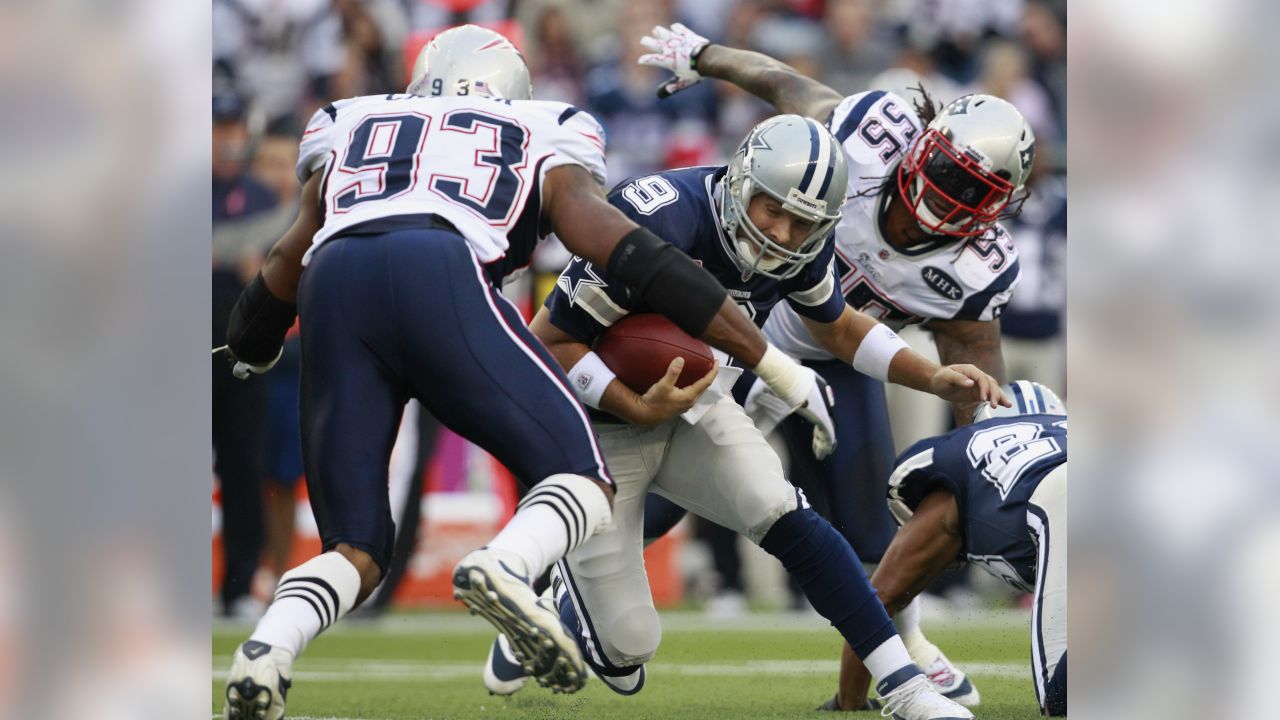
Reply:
x=410, y=313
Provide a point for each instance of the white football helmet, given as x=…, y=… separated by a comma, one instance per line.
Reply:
x=967, y=165
x=471, y=60
x=1029, y=398
x=802, y=165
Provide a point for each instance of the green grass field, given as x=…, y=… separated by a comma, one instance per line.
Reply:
x=763, y=666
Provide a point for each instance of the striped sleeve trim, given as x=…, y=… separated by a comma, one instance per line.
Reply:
x=597, y=303
x=816, y=295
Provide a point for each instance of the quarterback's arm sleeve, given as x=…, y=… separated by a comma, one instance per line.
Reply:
x=583, y=302
x=820, y=300
x=578, y=140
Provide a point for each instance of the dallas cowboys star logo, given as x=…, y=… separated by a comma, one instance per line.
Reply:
x=572, y=286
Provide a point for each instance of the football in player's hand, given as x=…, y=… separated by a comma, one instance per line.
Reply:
x=639, y=348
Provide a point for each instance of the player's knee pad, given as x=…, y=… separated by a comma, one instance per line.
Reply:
x=766, y=505
x=632, y=635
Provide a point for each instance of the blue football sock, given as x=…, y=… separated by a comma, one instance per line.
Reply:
x=831, y=576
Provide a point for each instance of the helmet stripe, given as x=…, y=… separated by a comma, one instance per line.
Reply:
x=813, y=160
x=831, y=163
x=1019, y=401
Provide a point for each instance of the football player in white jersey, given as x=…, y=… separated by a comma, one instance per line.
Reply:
x=918, y=243
x=415, y=205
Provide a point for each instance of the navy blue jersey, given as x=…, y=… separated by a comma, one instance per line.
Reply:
x=993, y=468
x=680, y=206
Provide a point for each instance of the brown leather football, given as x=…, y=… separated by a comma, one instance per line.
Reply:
x=638, y=349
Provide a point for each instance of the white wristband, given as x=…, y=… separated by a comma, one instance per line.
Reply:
x=590, y=377
x=876, y=351
x=782, y=375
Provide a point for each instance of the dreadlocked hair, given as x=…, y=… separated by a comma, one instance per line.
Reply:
x=925, y=106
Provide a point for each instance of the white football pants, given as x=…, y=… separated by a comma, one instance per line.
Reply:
x=1047, y=518
x=721, y=469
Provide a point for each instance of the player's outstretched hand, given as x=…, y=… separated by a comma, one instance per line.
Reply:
x=674, y=49
x=966, y=383
x=663, y=400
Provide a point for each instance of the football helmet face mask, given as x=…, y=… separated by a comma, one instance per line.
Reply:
x=966, y=166
x=1029, y=398
x=800, y=164
x=471, y=60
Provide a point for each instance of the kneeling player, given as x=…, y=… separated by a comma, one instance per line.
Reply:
x=994, y=493
x=761, y=226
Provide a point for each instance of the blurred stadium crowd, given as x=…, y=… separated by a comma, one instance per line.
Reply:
x=277, y=61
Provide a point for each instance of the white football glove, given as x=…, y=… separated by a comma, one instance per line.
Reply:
x=765, y=407
x=817, y=410
x=767, y=410
x=674, y=50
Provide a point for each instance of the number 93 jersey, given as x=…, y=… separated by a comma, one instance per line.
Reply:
x=475, y=161
x=993, y=468
x=956, y=279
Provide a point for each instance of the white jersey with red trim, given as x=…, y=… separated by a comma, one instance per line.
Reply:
x=475, y=161
x=961, y=279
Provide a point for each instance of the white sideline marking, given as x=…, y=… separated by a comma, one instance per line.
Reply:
x=344, y=670
x=448, y=623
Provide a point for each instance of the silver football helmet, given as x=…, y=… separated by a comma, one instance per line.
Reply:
x=800, y=164
x=1029, y=398
x=967, y=165
x=471, y=60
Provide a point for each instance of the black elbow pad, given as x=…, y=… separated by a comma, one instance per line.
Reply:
x=259, y=321
x=667, y=280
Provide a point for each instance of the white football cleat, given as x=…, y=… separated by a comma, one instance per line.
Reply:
x=950, y=681
x=916, y=699
x=258, y=682
x=503, y=674
x=537, y=639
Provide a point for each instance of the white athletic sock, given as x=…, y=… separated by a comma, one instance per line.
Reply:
x=923, y=652
x=558, y=515
x=890, y=657
x=309, y=598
